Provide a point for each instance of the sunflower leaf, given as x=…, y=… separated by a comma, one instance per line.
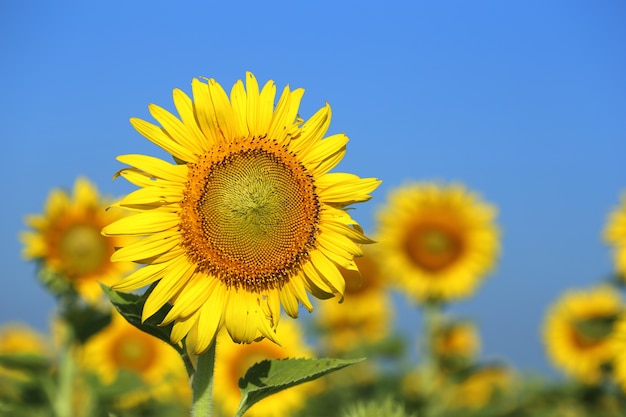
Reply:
x=271, y=376
x=130, y=306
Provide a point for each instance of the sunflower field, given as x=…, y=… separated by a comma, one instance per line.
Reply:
x=234, y=281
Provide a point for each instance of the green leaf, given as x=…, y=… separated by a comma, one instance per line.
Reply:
x=130, y=307
x=271, y=376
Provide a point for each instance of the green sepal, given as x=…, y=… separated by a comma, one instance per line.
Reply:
x=271, y=376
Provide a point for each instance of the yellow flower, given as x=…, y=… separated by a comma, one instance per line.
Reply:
x=121, y=347
x=437, y=241
x=481, y=387
x=67, y=241
x=577, y=332
x=366, y=312
x=456, y=342
x=248, y=219
x=18, y=339
x=615, y=235
x=234, y=360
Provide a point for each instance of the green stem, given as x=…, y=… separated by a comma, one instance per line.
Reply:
x=182, y=351
x=202, y=384
x=63, y=398
x=431, y=321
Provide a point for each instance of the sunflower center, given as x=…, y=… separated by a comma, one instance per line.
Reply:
x=434, y=246
x=250, y=215
x=133, y=352
x=82, y=250
x=592, y=331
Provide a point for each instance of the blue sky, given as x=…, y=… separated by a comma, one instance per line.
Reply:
x=521, y=101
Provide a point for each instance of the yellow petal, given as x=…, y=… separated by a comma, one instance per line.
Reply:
x=329, y=271
x=273, y=307
x=204, y=111
x=148, y=247
x=252, y=91
x=174, y=278
x=57, y=203
x=335, y=253
x=85, y=193
x=265, y=108
x=289, y=302
x=312, y=131
x=339, y=242
x=156, y=135
x=185, y=109
x=324, y=149
x=141, y=277
x=240, y=317
x=137, y=177
x=175, y=129
x=285, y=114
x=175, y=252
x=182, y=327
x=278, y=124
x=239, y=104
x=297, y=287
x=316, y=279
x=142, y=224
x=350, y=191
x=223, y=110
x=154, y=196
x=328, y=163
x=210, y=320
x=191, y=298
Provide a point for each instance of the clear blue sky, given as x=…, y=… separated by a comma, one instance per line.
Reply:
x=522, y=101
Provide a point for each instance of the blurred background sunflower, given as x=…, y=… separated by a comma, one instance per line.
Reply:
x=577, y=332
x=67, y=243
x=436, y=241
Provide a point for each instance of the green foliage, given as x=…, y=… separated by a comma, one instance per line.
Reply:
x=271, y=376
x=84, y=320
x=26, y=362
x=387, y=407
x=130, y=307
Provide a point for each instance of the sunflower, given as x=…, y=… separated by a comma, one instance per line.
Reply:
x=234, y=360
x=21, y=340
x=437, y=241
x=247, y=220
x=121, y=349
x=18, y=339
x=67, y=242
x=481, y=386
x=366, y=312
x=578, y=329
x=456, y=343
x=615, y=235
